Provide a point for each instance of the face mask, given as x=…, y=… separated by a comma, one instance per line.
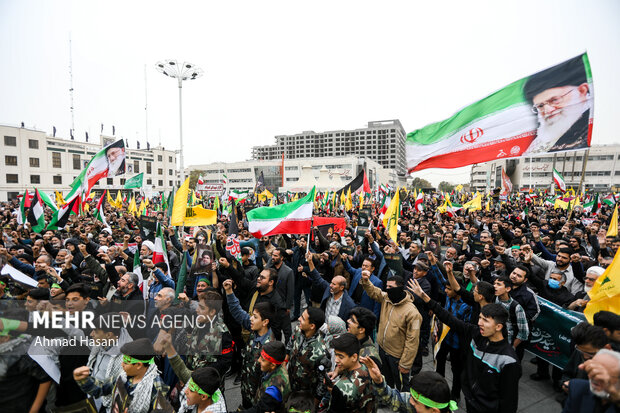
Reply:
x=396, y=294
x=554, y=284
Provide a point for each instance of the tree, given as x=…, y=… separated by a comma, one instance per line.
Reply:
x=193, y=178
x=420, y=183
x=445, y=186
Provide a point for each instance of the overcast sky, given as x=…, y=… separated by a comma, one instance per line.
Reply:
x=283, y=67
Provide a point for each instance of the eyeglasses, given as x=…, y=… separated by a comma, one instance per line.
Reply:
x=592, y=279
x=554, y=101
x=585, y=353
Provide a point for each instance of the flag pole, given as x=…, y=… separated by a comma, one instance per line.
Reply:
x=309, y=235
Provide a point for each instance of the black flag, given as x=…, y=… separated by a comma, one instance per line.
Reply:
x=86, y=136
x=113, y=130
x=54, y=131
x=71, y=132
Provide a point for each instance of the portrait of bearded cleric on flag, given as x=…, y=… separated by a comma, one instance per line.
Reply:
x=562, y=100
x=116, y=158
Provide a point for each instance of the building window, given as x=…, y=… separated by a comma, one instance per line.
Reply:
x=56, y=160
x=170, y=159
x=10, y=160
x=33, y=144
x=160, y=158
x=148, y=167
x=160, y=171
x=136, y=166
x=58, y=180
x=170, y=172
x=110, y=181
x=34, y=162
x=169, y=183
x=35, y=179
x=12, y=195
x=11, y=179
x=122, y=181
x=149, y=181
x=76, y=162
x=160, y=183
x=10, y=141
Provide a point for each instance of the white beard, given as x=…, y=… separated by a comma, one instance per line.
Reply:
x=599, y=393
x=551, y=130
x=115, y=166
x=586, y=288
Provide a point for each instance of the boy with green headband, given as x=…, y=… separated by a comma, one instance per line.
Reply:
x=201, y=390
x=137, y=370
x=428, y=392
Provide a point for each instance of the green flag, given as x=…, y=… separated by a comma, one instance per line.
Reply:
x=170, y=202
x=135, y=181
x=181, y=277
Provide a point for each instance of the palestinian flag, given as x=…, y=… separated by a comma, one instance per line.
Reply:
x=100, y=213
x=21, y=216
x=504, y=124
x=419, y=202
x=238, y=196
x=108, y=162
x=360, y=183
x=559, y=180
x=609, y=200
x=61, y=217
x=36, y=214
x=291, y=218
x=160, y=254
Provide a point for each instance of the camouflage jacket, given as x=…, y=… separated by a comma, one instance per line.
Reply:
x=277, y=378
x=305, y=355
x=250, y=369
x=353, y=392
x=369, y=349
x=210, y=346
x=397, y=401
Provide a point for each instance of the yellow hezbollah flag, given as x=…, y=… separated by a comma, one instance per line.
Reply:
x=475, y=204
x=559, y=204
x=390, y=220
x=119, y=200
x=60, y=201
x=109, y=199
x=197, y=216
x=133, y=209
x=180, y=204
x=605, y=295
x=458, y=187
x=348, y=205
x=142, y=208
x=612, y=231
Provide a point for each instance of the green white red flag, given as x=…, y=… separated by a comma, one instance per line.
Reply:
x=290, y=218
x=549, y=111
x=160, y=253
x=559, y=180
x=108, y=162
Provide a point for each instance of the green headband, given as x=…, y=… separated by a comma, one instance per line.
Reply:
x=2, y=283
x=55, y=285
x=294, y=410
x=428, y=402
x=130, y=360
x=191, y=384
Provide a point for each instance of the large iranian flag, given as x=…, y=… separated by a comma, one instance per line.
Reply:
x=291, y=218
x=549, y=111
x=108, y=162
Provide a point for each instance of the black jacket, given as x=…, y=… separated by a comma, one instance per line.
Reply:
x=492, y=370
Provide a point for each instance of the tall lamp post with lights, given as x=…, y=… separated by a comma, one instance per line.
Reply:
x=181, y=72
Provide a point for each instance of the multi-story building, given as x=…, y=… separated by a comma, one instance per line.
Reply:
x=327, y=173
x=33, y=159
x=381, y=141
x=602, y=170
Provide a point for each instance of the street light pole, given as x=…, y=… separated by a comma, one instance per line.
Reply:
x=182, y=166
x=185, y=71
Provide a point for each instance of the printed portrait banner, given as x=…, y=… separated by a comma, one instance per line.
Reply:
x=549, y=111
x=551, y=333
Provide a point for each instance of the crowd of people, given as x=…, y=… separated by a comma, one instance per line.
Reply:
x=329, y=321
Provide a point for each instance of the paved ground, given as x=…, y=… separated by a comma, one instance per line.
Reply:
x=534, y=397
